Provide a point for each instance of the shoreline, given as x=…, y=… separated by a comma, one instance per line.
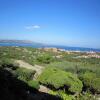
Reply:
x=61, y=48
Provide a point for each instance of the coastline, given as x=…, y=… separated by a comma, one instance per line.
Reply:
x=61, y=48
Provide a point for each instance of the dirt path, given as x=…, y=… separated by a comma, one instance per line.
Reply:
x=37, y=68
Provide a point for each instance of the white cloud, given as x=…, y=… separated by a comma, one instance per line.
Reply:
x=36, y=26
x=32, y=27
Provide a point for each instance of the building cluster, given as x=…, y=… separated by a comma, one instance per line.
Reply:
x=90, y=55
x=57, y=50
x=50, y=49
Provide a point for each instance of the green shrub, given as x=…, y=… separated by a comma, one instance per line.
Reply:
x=61, y=94
x=57, y=78
x=96, y=84
x=8, y=63
x=34, y=84
x=86, y=96
x=25, y=74
x=87, y=78
x=45, y=58
x=91, y=82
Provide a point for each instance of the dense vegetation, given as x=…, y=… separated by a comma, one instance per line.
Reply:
x=66, y=75
x=60, y=79
x=24, y=88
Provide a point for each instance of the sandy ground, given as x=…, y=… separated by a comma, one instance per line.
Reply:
x=37, y=68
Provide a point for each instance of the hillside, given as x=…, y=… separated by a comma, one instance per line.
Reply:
x=60, y=75
x=20, y=42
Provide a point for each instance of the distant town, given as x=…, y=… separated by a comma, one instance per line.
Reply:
x=87, y=54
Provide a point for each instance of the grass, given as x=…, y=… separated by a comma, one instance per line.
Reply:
x=76, y=67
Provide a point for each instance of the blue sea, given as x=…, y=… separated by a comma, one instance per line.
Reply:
x=42, y=46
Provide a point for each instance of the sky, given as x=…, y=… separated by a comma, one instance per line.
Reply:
x=61, y=22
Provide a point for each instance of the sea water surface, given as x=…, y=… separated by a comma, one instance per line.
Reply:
x=55, y=46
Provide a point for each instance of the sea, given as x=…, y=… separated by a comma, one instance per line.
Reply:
x=82, y=49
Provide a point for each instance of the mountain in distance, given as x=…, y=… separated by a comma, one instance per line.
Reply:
x=28, y=43
x=16, y=41
x=20, y=43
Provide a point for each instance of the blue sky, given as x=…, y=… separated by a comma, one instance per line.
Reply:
x=62, y=22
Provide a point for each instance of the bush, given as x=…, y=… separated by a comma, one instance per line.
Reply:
x=61, y=94
x=45, y=58
x=60, y=79
x=96, y=85
x=34, y=84
x=25, y=74
x=86, y=96
x=87, y=78
x=8, y=63
x=91, y=82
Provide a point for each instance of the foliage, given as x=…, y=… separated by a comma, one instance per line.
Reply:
x=57, y=78
x=87, y=78
x=87, y=69
x=61, y=94
x=25, y=74
x=34, y=84
x=91, y=81
x=86, y=96
x=20, y=53
x=8, y=63
x=45, y=58
x=96, y=85
x=12, y=88
x=76, y=67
